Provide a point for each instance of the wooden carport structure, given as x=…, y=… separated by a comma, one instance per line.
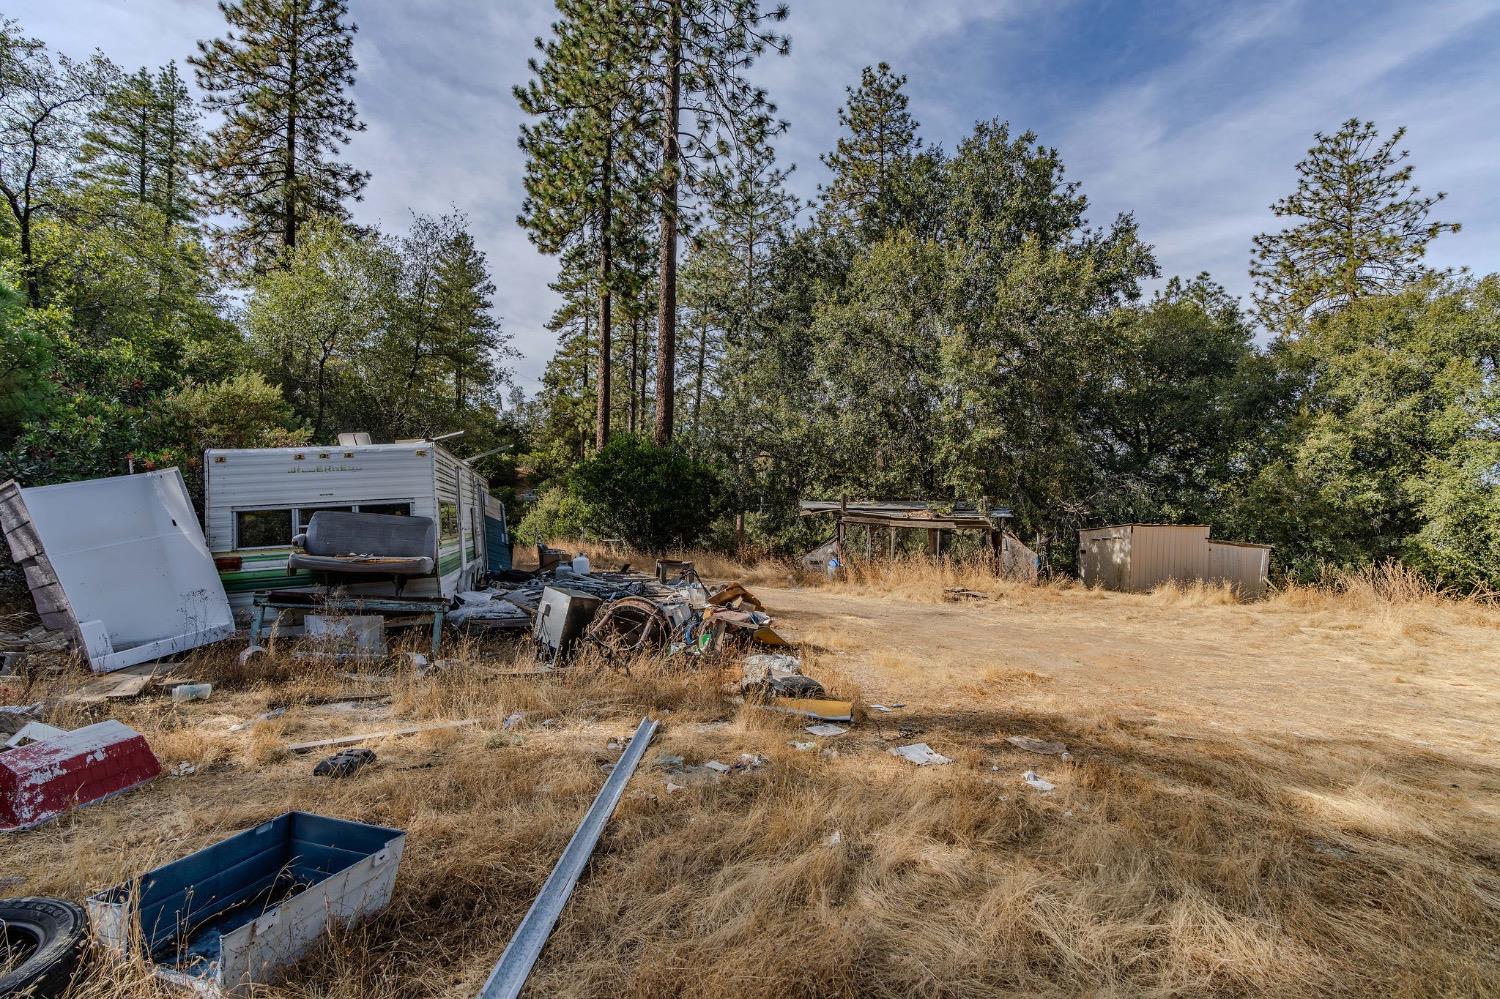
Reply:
x=920, y=515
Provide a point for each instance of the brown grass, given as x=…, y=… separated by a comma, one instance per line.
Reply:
x=1210, y=843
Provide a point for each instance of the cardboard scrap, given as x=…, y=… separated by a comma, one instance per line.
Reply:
x=766, y=635
x=735, y=591
x=1031, y=745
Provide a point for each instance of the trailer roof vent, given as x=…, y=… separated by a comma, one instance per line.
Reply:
x=354, y=439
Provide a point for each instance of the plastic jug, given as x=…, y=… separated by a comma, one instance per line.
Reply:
x=581, y=564
x=192, y=692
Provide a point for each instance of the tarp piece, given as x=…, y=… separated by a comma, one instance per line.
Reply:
x=120, y=564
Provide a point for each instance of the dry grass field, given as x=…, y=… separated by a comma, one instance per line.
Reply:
x=1295, y=797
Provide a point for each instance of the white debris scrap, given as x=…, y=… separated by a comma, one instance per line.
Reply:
x=921, y=754
x=1041, y=785
x=825, y=730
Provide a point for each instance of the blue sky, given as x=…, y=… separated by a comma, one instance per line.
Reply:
x=1189, y=113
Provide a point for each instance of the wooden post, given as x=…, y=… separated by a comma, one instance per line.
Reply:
x=932, y=542
x=892, y=531
x=739, y=533
x=838, y=534
x=869, y=543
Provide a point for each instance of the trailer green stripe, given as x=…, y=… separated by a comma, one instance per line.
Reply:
x=245, y=582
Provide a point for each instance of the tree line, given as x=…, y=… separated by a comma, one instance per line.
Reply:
x=952, y=324
x=935, y=323
x=180, y=273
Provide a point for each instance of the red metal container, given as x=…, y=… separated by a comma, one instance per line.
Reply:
x=43, y=780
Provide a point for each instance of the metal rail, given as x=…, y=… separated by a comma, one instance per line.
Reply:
x=509, y=975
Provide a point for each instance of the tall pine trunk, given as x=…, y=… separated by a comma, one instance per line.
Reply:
x=142, y=154
x=666, y=322
x=601, y=418
x=635, y=336
x=698, y=382
x=289, y=168
x=645, y=369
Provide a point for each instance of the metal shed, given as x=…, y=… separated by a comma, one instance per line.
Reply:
x=1140, y=557
x=1242, y=565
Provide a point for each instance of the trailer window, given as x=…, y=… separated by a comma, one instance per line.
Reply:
x=305, y=515
x=393, y=509
x=448, y=521
x=262, y=528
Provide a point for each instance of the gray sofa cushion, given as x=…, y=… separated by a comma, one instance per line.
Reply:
x=367, y=543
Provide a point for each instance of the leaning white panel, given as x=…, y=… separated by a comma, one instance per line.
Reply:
x=131, y=560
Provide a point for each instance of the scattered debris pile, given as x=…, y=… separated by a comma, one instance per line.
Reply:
x=513, y=606
x=622, y=613
x=33, y=641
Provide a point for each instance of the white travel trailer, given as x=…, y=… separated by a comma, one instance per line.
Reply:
x=258, y=499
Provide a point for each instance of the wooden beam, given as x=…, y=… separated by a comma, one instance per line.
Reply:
x=349, y=740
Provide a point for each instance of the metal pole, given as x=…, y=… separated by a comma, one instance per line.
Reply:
x=510, y=974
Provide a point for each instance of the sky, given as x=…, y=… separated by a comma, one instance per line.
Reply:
x=1190, y=114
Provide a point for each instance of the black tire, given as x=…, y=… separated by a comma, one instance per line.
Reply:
x=55, y=932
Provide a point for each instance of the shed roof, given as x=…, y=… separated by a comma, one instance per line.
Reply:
x=1111, y=527
x=908, y=514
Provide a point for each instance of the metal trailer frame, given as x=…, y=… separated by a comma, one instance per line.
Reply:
x=421, y=477
x=277, y=602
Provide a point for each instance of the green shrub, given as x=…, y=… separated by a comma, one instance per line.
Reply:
x=557, y=514
x=653, y=498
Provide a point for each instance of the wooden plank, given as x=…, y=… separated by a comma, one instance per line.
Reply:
x=815, y=707
x=349, y=740
x=117, y=686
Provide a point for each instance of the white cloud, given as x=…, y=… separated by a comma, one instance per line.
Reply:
x=1201, y=182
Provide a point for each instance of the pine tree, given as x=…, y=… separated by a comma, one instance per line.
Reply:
x=141, y=140
x=179, y=143
x=280, y=77
x=471, y=342
x=749, y=213
x=702, y=49
x=117, y=147
x=585, y=151
x=868, y=163
x=1365, y=231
